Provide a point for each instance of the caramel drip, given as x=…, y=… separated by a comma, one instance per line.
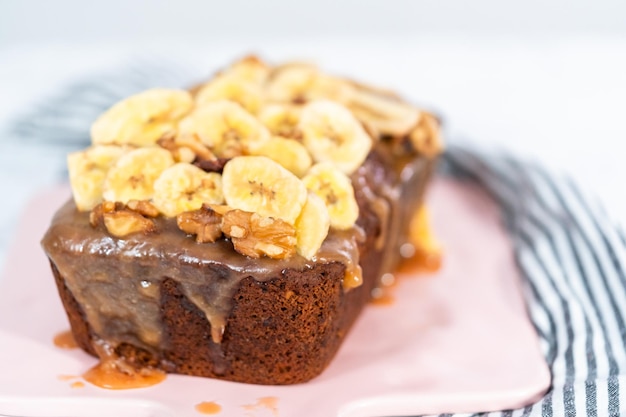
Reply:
x=353, y=277
x=422, y=255
x=423, y=260
x=381, y=207
x=208, y=407
x=65, y=340
x=343, y=247
x=75, y=384
x=148, y=289
x=268, y=403
x=212, y=312
x=121, y=301
x=423, y=251
x=404, y=198
x=114, y=373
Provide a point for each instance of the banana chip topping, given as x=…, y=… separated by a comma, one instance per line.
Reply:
x=283, y=142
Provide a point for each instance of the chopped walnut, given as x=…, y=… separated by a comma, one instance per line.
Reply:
x=205, y=223
x=96, y=217
x=167, y=142
x=143, y=207
x=121, y=220
x=197, y=147
x=426, y=137
x=220, y=209
x=180, y=153
x=254, y=235
x=125, y=222
x=186, y=149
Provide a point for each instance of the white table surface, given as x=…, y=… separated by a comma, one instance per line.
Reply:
x=560, y=100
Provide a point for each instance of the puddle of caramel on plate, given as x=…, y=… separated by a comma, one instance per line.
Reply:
x=269, y=403
x=421, y=262
x=426, y=260
x=422, y=254
x=426, y=253
x=75, y=384
x=109, y=375
x=208, y=407
x=114, y=373
x=65, y=340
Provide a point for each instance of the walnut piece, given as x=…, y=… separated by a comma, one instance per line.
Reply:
x=205, y=223
x=96, y=217
x=254, y=235
x=180, y=153
x=197, y=147
x=125, y=222
x=121, y=220
x=143, y=207
x=185, y=149
x=426, y=137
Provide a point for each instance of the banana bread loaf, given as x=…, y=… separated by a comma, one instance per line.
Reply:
x=237, y=231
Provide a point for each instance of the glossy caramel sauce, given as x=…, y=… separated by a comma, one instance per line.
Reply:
x=114, y=373
x=268, y=403
x=420, y=254
x=110, y=375
x=75, y=384
x=65, y=340
x=423, y=261
x=425, y=253
x=208, y=407
x=353, y=277
x=116, y=281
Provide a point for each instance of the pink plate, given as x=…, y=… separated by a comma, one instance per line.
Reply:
x=456, y=341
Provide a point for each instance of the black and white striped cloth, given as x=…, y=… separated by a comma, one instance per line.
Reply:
x=571, y=255
x=573, y=260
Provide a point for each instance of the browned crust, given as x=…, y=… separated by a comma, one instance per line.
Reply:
x=75, y=315
x=282, y=331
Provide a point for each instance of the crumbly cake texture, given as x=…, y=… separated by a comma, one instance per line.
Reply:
x=180, y=252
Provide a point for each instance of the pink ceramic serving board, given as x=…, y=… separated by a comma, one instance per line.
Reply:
x=455, y=341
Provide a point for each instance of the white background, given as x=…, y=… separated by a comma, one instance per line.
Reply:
x=545, y=79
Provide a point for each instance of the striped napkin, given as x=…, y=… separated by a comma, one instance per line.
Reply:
x=572, y=257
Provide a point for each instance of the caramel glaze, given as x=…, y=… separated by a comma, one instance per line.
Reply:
x=208, y=407
x=113, y=372
x=121, y=300
x=422, y=261
x=65, y=340
x=268, y=403
x=394, y=205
